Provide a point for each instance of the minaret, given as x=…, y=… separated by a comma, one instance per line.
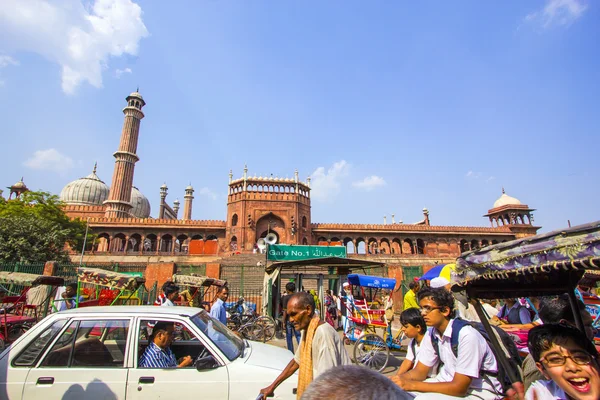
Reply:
x=119, y=197
x=163, y=195
x=176, y=208
x=187, y=203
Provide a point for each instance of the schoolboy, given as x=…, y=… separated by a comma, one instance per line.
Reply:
x=460, y=377
x=568, y=361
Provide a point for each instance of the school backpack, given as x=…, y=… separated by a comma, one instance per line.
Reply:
x=509, y=350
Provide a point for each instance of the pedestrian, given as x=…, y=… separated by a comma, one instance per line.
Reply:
x=461, y=376
x=218, y=310
x=330, y=308
x=67, y=299
x=351, y=382
x=290, y=331
x=321, y=348
x=514, y=313
x=410, y=298
x=171, y=293
x=346, y=306
x=161, y=297
x=568, y=362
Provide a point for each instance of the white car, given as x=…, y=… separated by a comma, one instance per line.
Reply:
x=93, y=353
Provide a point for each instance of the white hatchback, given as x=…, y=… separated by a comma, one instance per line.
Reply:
x=93, y=353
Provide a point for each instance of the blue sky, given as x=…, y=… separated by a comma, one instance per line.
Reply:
x=389, y=106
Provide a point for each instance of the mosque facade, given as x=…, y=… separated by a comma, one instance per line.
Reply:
x=120, y=218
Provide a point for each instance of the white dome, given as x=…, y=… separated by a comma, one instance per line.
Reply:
x=506, y=200
x=141, y=205
x=89, y=191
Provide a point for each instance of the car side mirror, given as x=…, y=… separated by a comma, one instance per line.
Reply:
x=207, y=362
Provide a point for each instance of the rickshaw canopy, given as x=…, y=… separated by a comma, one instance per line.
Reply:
x=25, y=279
x=110, y=279
x=197, y=281
x=547, y=264
x=372, y=281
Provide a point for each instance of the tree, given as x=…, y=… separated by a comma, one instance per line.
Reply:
x=34, y=228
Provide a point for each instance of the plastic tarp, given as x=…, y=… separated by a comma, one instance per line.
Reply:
x=110, y=279
x=577, y=248
x=25, y=279
x=372, y=281
x=197, y=281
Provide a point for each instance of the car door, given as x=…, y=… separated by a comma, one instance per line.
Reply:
x=87, y=360
x=171, y=383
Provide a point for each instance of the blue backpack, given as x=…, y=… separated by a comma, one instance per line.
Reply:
x=505, y=340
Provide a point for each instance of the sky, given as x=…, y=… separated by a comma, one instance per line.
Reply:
x=389, y=106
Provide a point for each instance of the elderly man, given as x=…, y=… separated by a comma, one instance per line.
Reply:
x=158, y=354
x=218, y=311
x=320, y=348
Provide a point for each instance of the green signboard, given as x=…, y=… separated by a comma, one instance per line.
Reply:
x=287, y=252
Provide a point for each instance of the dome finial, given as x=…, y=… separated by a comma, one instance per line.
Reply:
x=95, y=167
x=137, y=90
x=503, y=190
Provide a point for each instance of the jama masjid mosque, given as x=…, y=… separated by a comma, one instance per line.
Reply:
x=119, y=215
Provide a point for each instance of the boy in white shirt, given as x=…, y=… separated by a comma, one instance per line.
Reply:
x=461, y=376
x=414, y=327
x=568, y=361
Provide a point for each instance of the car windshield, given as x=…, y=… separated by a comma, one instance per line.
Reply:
x=231, y=345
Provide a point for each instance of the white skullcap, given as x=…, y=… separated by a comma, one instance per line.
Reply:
x=439, y=282
x=346, y=284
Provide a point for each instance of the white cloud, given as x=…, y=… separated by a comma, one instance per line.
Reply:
x=473, y=175
x=51, y=160
x=78, y=36
x=119, y=72
x=558, y=12
x=326, y=185
x=370, y=183
x=491, y=178
x=208, y=193
x=5, y=61
x=476, y=175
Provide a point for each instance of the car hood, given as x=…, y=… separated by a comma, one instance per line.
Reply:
x=268, y=356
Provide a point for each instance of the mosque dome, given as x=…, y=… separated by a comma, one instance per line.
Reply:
x=19, y=185
x=136, y=95
x=141, y=205
x=506, y=200
x=90, y=191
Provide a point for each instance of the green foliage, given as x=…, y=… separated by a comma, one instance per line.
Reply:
x=34, y=228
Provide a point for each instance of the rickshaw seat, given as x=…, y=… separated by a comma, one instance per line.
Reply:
x=364, y=321
x=89, y=303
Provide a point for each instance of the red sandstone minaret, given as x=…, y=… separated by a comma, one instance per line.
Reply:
x=119, y=198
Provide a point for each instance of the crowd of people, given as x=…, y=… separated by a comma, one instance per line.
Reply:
x=449, y=356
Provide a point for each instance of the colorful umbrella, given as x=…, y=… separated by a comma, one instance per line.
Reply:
x=442, y=270
x=432, y=273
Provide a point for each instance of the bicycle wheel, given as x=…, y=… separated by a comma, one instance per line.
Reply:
x=252, y=331
x=371, y=351
x=268, y=325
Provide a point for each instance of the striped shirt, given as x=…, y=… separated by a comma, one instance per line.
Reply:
x=155, y=357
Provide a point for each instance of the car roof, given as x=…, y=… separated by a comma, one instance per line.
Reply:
x=156, y=310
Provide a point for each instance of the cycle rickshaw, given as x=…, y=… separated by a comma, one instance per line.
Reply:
x=543, y=265
x=20, y=312
x=103, y=287
x=366, y=316
x=196, y=289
